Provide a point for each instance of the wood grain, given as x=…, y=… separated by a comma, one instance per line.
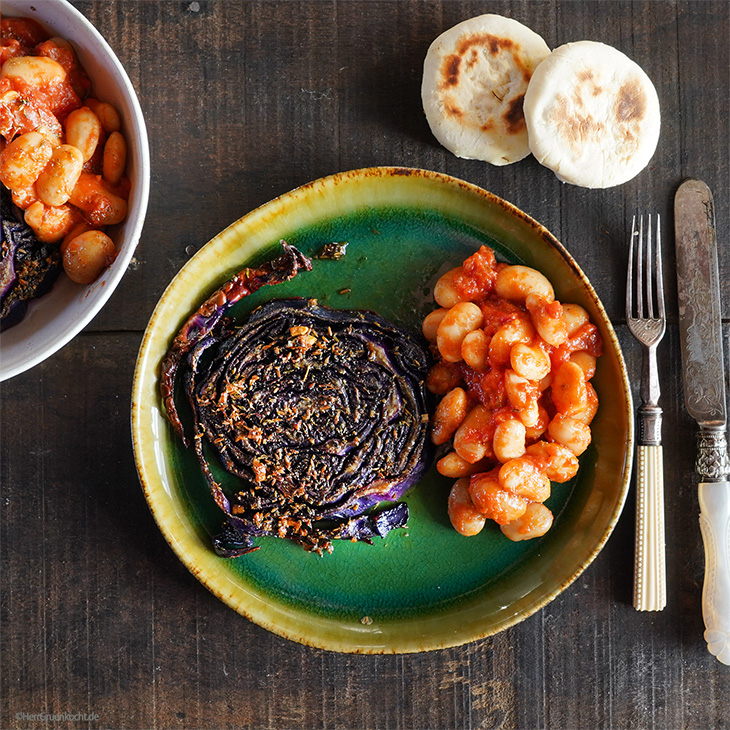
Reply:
x=244, y=101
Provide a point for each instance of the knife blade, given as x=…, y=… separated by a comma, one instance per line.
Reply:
x=703, y=375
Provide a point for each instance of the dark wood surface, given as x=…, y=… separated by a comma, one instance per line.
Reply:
x=244, y=101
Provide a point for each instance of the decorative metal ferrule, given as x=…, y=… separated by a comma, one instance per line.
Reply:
x=712, y=463
x=650, y=425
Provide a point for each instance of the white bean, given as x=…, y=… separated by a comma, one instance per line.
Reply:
x=569, y=389
x=465, y=517
x=441, y=378
x=518, y=389
x=516, y=282
x=461, y=319
x=101, y=207
x=60, y=175
x=23, y=160
x=454, y=467
x=450, y=412
x=586, y=362
x=548, y=319
x=431, y=322
x=83, y=130
x=475, y=349
x=77, y=230
x=24, y=197
x=114, y=159
x=62, y=43
x=446, y=292
x=522, y=476
x=570, y=432
x=529, y=361
x=574, y=317
x=519, y=329
x=50, y=223
x=521, y=392
x=87, y=255
x=535, y=522
x=107, y=115
x=530, y=414
x=509, y=440
x=587, y=414
x=493, y=501
x=470, y=439
x=34, y=70
x=557, y=461
x=538, y=424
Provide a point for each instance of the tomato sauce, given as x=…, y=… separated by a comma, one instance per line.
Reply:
x=586, y=339
x=26, y=31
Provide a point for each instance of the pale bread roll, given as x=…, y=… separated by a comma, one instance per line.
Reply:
x=592, y=115
x=474, y=81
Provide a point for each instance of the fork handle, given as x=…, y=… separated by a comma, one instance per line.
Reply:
x=650, y=589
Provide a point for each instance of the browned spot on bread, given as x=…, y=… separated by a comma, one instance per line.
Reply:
x=450, y=72
x=494, y=44
x=473, y=59
x=489, y=124
x=631, y=102
x=452, y=110
x=587, y=78
x=578, y=98
x=574, y=127
x=467, y=54
x=580, y=129
x=514, y=117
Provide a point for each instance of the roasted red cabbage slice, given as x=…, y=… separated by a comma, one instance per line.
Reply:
x=210, y=318
x=28, y=267
x=321, y=415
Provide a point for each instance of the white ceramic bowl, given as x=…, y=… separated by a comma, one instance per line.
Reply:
x=54, y=319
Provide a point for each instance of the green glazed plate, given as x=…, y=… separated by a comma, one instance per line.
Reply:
x=424, y=587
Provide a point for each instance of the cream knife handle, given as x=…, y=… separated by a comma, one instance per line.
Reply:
x=650, y=582
x=715, y=526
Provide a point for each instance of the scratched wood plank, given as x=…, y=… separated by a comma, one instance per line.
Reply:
x=245, y=100
x=222, y=119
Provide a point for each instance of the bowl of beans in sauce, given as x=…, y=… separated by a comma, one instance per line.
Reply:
x=74, y=177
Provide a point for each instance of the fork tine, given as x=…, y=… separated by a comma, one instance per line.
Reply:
x=659, y=276
x=650, y=270
x=630, y=273
x=640, y=271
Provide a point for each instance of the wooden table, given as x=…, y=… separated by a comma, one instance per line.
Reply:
x=244, y=101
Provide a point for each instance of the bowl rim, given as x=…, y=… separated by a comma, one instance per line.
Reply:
x=141, y=201
x=220, y=587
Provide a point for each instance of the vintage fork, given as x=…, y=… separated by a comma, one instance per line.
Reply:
x=646, y=320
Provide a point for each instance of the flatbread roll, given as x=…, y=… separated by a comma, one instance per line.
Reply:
x=592, y=115
x=474, y=81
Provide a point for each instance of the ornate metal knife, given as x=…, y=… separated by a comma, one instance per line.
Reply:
x=704, y=394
